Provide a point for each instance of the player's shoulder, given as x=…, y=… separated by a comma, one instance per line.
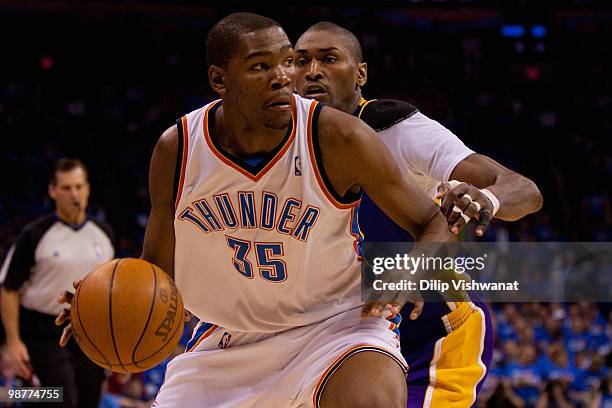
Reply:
x=171, y=134
x=168, y=143
x=190, y=120
x=199, y=112
x=381, y=114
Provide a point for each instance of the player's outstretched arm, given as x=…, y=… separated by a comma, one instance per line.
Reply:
x=518, y=196
x=429, y=148
x=158, y=245
x=354, y=157
x=515, y=195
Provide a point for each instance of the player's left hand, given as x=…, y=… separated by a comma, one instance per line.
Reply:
x=462, y=202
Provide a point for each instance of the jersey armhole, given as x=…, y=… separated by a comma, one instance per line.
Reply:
x=350, y=199
x=181, y=160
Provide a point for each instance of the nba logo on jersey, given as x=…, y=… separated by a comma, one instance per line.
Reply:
x=224, y=340
x=298, y=165
x=98, y=250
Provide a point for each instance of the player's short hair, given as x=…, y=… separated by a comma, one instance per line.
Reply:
x=64, y=165
x=350, y=39
x=224, y=37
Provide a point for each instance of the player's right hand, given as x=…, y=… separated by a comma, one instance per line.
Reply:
x=64, y=314
x=461, y=202
x=17, y=359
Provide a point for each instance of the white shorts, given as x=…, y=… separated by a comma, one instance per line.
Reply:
x=287, y=369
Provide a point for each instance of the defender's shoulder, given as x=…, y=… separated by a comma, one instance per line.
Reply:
x=381, y=114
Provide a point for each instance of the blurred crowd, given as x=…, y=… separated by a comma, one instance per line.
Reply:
x=550, y=355
x=77, y=85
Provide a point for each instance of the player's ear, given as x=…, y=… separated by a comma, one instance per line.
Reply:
x=362, y=74
x=217, y=77
x=51, y=191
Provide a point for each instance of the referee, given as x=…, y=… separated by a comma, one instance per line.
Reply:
x=47, y=257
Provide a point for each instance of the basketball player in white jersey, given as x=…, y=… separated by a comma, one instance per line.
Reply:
x=259, y=231
x=446, y=366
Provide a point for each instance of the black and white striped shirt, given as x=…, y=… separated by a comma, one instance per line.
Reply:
x=49, y=255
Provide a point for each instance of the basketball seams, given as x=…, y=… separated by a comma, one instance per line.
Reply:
x=76, y=300
x=144, y=330
x=171, y=337
x=114, y=279
x=135, y=363
x=110, y=314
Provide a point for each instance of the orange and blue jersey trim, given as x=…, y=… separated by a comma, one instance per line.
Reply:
x=203, y=331
x=317, y=163
x=318, y=391
x=224, y=157
x=395, y=324
x=183, y=147
x=355, y=231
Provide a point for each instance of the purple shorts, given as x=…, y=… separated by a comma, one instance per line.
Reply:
x=465, y=334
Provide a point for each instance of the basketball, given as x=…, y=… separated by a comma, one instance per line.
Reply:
x=127, y=315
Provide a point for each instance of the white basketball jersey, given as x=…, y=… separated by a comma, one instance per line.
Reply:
x=262, y=250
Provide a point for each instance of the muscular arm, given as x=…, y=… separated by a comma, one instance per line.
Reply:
x=517, y=195
x=158, y=245
x=354, y=157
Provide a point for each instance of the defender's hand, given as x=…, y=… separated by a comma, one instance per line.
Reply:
x=462, y=202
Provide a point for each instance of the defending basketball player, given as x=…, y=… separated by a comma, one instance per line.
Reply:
x=446, y=367
x=254, y=203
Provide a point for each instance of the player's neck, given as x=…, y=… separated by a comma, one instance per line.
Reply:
x=355, y=102
x=240, y=138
